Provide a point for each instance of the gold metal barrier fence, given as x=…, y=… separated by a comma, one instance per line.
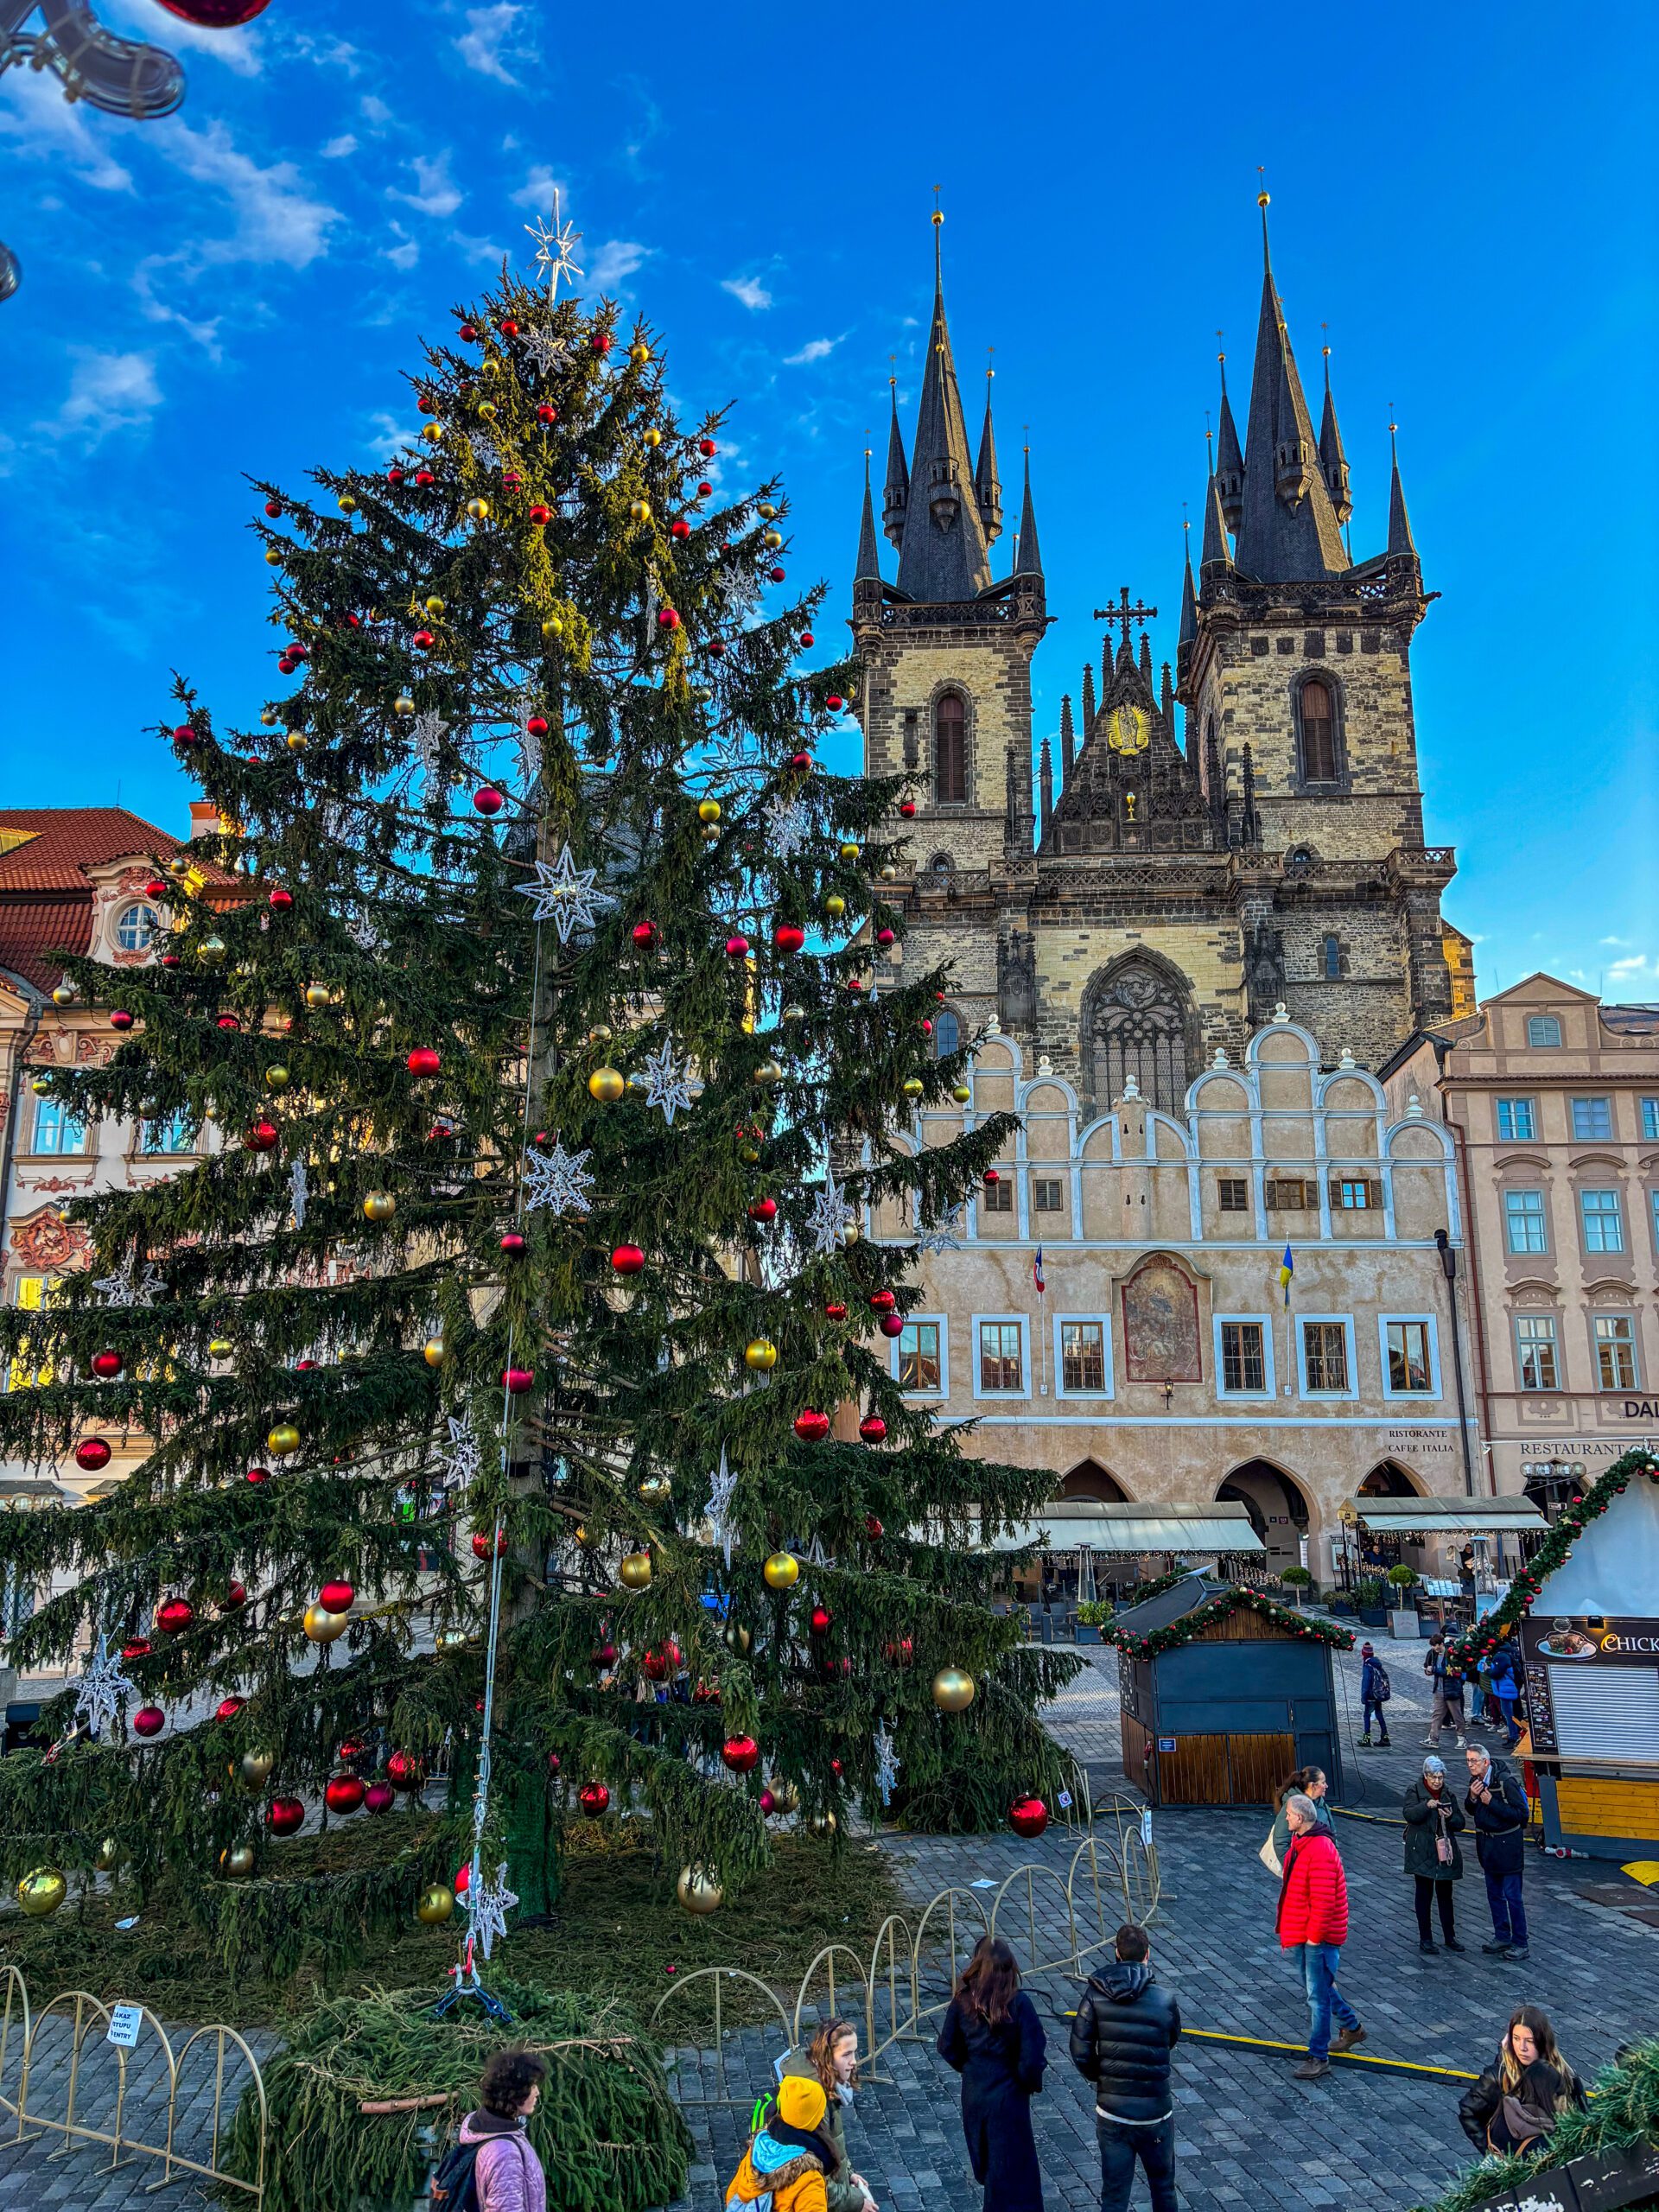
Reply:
x=1054, y=1922
x=21, y=2029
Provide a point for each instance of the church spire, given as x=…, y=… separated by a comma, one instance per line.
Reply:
x=1333, y=461
x=1214, y=553
x=1028, y=561
x=1401, y=545
x=1230, y=459
x=1045, y=787
x=1067, y=740
x=897, y=492
x=987, y=488
x=943, y=555
x=1087, y=702
x=1188, y=632
x=869, y=557
x=1287, y=531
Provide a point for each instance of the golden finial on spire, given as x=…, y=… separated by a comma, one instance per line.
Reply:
x=893, y=370
x=990, y=355
x=1263, y=197
x=939, y=212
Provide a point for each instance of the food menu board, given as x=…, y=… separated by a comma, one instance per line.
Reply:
x=1558, y=1645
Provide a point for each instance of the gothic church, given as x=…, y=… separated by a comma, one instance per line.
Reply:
x=1168, y=884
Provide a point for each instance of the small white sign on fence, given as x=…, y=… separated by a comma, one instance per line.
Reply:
x=125, y=2021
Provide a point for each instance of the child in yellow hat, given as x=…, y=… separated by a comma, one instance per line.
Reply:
x=788, y=2159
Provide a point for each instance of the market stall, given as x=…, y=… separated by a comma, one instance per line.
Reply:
x=1078, y=1536
x=1225, y=1692
x=1462, y=1550
x=1586, y=1613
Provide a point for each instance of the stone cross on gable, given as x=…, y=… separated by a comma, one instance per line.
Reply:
x=1126, y=615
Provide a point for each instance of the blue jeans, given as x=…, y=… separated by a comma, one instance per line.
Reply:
x=1506, y=1714
x=1319, y=1962
x=1369, y=1706
x=1509, y=1913
x=1120, y=2146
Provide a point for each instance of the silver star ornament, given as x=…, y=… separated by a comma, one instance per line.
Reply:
x=667, y=1085
x=564, y=895
x=100, y=1687
x=558, y=1180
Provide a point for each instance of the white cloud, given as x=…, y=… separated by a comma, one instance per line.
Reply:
x=538, y=188
x=206, y=334
x=617, y=258
x=439, y=194
x=107, y=392
x=1634, y=965
x=405, y=253
x=276, y=219
x=749, y=289
x=373, y=109
x=327, y=54
x=488, y=41
x=337, y=149
x=40, y=122
x=815, y=349
x=388, y=435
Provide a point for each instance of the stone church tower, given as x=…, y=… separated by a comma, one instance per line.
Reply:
x=1158, y=898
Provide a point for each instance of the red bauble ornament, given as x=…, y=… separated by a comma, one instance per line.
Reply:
x=1028, y=1816
x=768, y=1803
x=834, y=702
x=807, y=639
x=394, y=475
x=120, y=1020
x=487, y=800
x=776, y=575
x=884, y=937
x=139, y=1648
x=226, y=1021
x=872, y=1428
x=351, y=1751
x=662, y=1662
x=423, y=1060
x=481, y=1545
x=927, y=1026
x=155, y=888
x=907, y=808
x=644, y=933
x=175, y=1614
x=764, y=1209
x=516, y=1381
x=704, y=491
x=892, y=1324
x=424, y=476
x=553, y=1762
x=717, y=647
x=537, y=725
x=991, y=1176
x=740, y=1753
x=604, y=1656
x=706, y=446
x=681, y=529
x=801, y=762
x=234, y=1599
x=273, y=508
x=468, y=331
x=511, y=479
x=628, y=1260
x=336, y=1597
x=105, y=1363
x=667, y=618
x=421, y=641
x=184, y=735
x=601, y=343
x=379, y=1797
x=405, y=1772
x=835, y=1311
x=169, y=960
x=262, y=1137
x=737, y=945
x=540, y=515
x=507, y=327
x=882, y=1301
x=229, y=1708
x=258, y=1474
x=149, y=1720
x=547, y=412
x=593, y=1798
x=280, y=900
x=872, y=1527
x=788, y=937
x=822, y=1620
x=811, y=1427
x=286, y=1815
x=513, y=1244
x=344, y=1792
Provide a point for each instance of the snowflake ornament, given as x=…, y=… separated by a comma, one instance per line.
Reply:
x=722, y=1487
x=299, y=1192
x=666, y=1085
x=126, y=1288
x=788, y=825
x=525, y=707
x=945, y=1236
x=556, y=244
x=828, y=1217
x=557, y=1179
x=888, y=1764
x=544, y=349
x=427, y=731
x=464, y=1461
x=100, y=1687
x=564, y=895
x=487, y=1906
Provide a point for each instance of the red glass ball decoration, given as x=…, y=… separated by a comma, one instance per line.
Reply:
x=155, y=888
x=106, y=1364
x=379, y=1797
x=405, y=1772
x=149, y=1720
x=835, y=1311
x=226, y=1021
x=883, y=1301
x=884, y=937
x=184, y=734
x=593, y=1798
x=487, y=800
x=351, y=1751
x=138, y=1647
x=991, y=1176
x=280, y=900
x=507, y=327
x=801, y=763
x=788, y=937
x=892, y=1324
x=258, y=1474
x=1028, y=1816
x=776, y=575
x=704, y=491
x=170, y=960
x=554, y=1762
x=707, y=448
x=336, y=1597
x=421, y=641
x=807, y=639
x=811, y=1427
x=927, y=1026
x=234, y=1599
x=768, y=1803
x=764, y=1209
x=601, y=343
x=394, y=475
x=604, y=1656
x=537, y=725
x=424, y=476
x=907, y=808
x=644, y=933
x=228, y=1707
x=872, y=1527
x=540, y=515
x=262, y=1137
x=740, y=1753
x=854, y=984
x=175, y=1614
x=344, y=1792
x=468, y=331
x=423, y=1060
x=547, y=412
x=273, y=508
x=667, y=618
x=286, y=1816
x=511, y=479
x=481, y=1545
x=120, y=1020
x=736, y=946
x=516, y=1381
x=513, y=1244
x=822, y=1620
x=872, y=1428
x=681, y=529
x=628, y=1260
x=834, y=702
x=661, y=1662
x=717, y=647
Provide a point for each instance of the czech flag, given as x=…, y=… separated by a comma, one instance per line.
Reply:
x=1037, y=1270
x=1286, y=1269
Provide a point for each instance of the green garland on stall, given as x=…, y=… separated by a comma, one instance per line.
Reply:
x=1486, y=1635
x=1193, y=1624
x=1623, y=2114
x=1141, y=1591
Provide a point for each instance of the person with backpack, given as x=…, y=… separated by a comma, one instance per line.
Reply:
x=1446, y=1681
x=1497, y=1807
x=1375, y=1691
x=1506, y=1688
x=494, y=2167
x=830, y=2059
x=785, y=2164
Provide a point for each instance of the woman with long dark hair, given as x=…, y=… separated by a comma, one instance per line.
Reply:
x=1518, y=2100
x=992, y=2038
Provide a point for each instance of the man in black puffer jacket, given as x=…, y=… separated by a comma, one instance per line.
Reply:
x=1121, y=2039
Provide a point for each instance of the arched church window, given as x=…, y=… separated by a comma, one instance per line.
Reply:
x=1333, y=960
x=1138, y=1027
x=947, y=1032
x=949, y=751
x=1319, y=717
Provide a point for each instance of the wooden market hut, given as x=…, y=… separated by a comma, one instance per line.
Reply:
x=1225, y=1692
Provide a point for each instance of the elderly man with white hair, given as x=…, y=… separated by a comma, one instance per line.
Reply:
x=1314, y=1923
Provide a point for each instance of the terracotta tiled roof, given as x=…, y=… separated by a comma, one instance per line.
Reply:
x=31, y=928
x=1632, y=1020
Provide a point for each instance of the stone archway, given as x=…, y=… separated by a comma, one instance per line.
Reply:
x=1389, y=1479
x=1278, y=1509
x=1088, y=1479
x=1138, y=1021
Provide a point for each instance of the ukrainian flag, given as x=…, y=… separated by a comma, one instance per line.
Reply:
x=1286, y=1269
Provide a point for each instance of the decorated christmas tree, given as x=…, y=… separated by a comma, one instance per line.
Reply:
x=516, y=1365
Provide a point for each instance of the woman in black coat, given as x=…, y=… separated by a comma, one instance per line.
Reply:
x=1434, y=1819
x=992, y=2038
x=1515, y=2104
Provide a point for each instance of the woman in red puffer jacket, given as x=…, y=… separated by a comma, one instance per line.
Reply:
x=1314, y=1923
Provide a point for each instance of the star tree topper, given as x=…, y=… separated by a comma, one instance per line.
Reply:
x=556, y=244
x=487, y=1905
x=564, y=895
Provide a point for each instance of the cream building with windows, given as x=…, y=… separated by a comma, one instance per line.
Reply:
x=1161, y=1362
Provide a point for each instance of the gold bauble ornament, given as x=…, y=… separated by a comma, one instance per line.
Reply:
x=296, y=740
x=210, y=951
x=708, y=810
x=962, y=1093
x=657, y=1490
x=317, y=995
x=219, y=1347
x=435, y=605
x=109, y=1856
x=39, y=1086
x=552, y=627
x=768, y=1073
x=601, y=1033
x=912, y=1086
x=323, y=1627
x=432, y=433
x=653, y=436
x=41, y=1892
x=273, y=557
x=283, y=1440
x=736, y=1637
x=347, y=504
x=235, y=1864
x=710, y=832
x=761, y=1354
x=403, y=704
x=607, y=1085
x=254, y=1768
x=699, y=1890
x=850, y=849
x=782, y=1571
x=851, y=1233
x=641, y=510
x=479, y=510
x=953, y=1689
x=835, y=905
x=773, y=540
x=486, y=409
x=433, y=1353
x=267, y=718
x=436, y=1904
x=64, y=995
x=635, y=1570
x=767, y=510
x=749, y=1155
x=379, y=1206
x=785, y=1797
x=277, y=1078
x=888, y=875
x=822, y=1825
x=640, y=351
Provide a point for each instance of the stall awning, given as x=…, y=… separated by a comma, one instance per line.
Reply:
x=1198, y=1530
x=1490, y=1517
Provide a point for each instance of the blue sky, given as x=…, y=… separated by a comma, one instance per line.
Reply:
x=1460, y=196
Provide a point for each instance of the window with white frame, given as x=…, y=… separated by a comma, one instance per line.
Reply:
x=136, y=927
x=1604, y=1222
x=1517, y=1120
x=1327, y=1364
x=1409, y=1354
x=1001, y=1350
x=1592, y=1117
x=921, y=1362
x=170, y=1134
x=1616, y=1350
x=1243, y=1361
x=1534, y=1351
x=57, y=1130
x=1525, y=1222
x=1650, y=1119
x=1083, y=1356
x=1543, y=1032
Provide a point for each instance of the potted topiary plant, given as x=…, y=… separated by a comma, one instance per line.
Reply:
x=1092, y=1615
x=1371, y=1595
x=1297, y=1581
x=1404, y=1620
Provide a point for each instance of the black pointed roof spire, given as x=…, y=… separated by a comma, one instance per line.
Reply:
x=869, y=554
x=1028, y=561
x=896, y=494
x=1333, y=461
x=1287, y=530
x=1401, y=544
x=1068, y=738
x=1213, y=554
x=1045, y=785
x=1189, y=630
x=1229, y=458
x=1088, y=702
x=987, y=486
x=943, y=554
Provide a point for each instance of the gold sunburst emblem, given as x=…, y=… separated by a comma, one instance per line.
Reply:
x=1127, y=731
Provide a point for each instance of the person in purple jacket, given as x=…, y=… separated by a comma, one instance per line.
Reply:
x=507, y=2174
